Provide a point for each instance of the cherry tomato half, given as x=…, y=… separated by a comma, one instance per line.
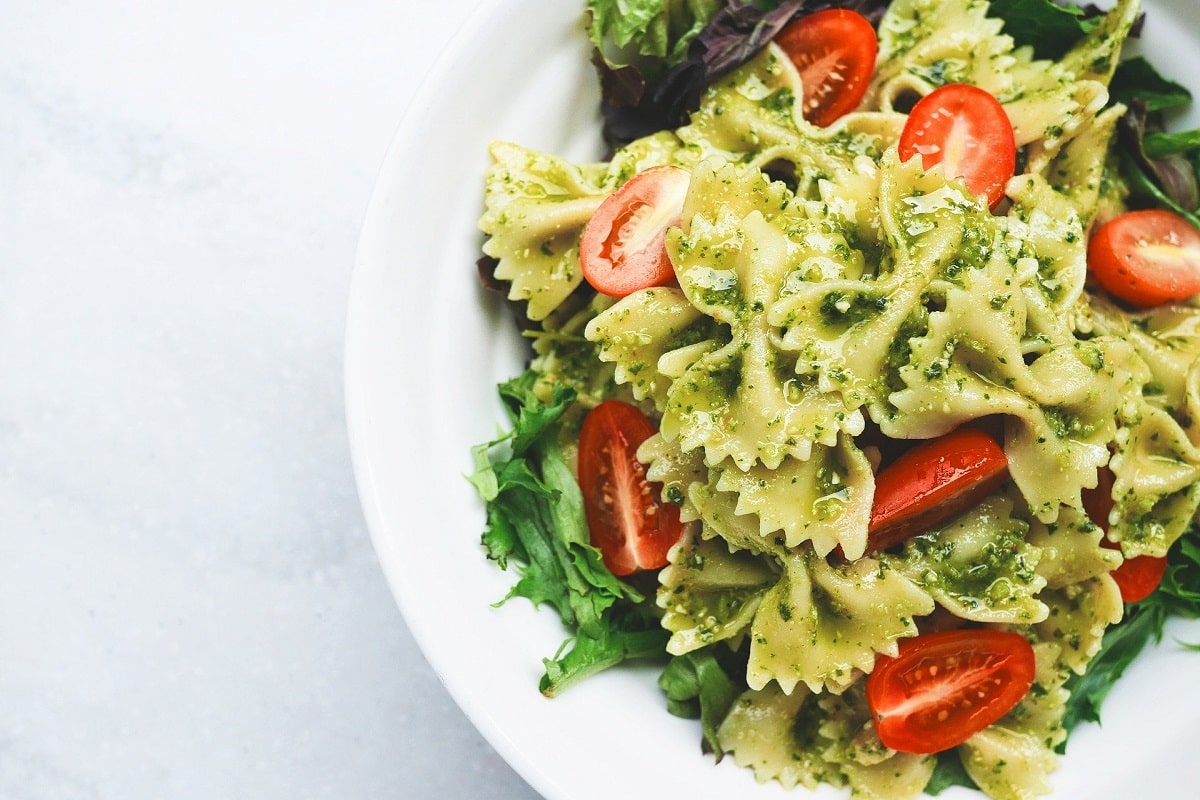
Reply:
x=942, y=688
x=1147, y=257
x=933, y=482
x=628, y=520
x=1137, y=577
x=834, y=50
x=623, y=248
x=967, y=131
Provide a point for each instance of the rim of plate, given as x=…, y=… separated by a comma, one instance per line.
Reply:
x=380, y=212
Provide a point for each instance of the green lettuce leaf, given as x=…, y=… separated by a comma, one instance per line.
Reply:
x=1136, y=79
x=1160, y=145
x=699, y=686
x=1050, y=28
x=1122, y=644
x=626, y=31
x=535, y=512
x=625, y=632
x=949, y=771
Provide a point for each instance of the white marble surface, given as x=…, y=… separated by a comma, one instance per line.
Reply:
x=189, y=603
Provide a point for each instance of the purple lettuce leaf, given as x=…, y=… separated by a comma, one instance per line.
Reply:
x=1169, y=179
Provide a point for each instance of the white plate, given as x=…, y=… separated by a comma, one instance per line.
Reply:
x=425, y=348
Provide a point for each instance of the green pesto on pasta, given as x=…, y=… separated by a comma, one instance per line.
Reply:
x=824, y=286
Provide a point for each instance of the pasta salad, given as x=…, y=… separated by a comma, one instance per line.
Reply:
x=862, y=382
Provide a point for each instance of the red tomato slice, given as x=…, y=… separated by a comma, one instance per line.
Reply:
x=933, y=482
x=624, y=243
x=1098, y=502
x=834, y=50
x=1137, y=577
x=967, y=131
x=1147, y=257
x=943, y=688
x=627, y=518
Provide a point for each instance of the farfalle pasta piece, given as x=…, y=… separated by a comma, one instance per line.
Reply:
x=873, y=771
x=709, y=593
x=979, y=566
x=818, y=624
x=761, y=734
x=752, y=117
x=822, y=625
x=536, y=206
x=989, y=316
x=1059, y=408
x=697, y=614
x=1071, y=550
x=1008, y=764
x=1076, y=170
x=649, y=331
x=1156, y=491
x=1054, y=203
x=1157, y=458
x=825, y=499
x=802, y=739
x=733, y=379
x=676, y=471
x=1046, y=101
x=970, y=48
x=1012, y=759
x=848, y=322
x=1079, y=615
x=1067, y=106
x=1167, y=339
x=743, y=401
x=1095, y=57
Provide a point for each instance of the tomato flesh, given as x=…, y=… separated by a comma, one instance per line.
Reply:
x=1146, y=257
x=628, y=521
x=623, y=248
x=965, y=130
x=834, y=51
x=1137, y=577
x=942, y=688
x=933, y=482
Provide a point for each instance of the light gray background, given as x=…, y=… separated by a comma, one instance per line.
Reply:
x=189, y=603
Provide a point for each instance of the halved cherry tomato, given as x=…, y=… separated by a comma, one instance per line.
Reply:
x=627, y=518
x=1137, y=577
x=967, y=131
x=1147, y=257
x=933, y=482
x=834, y=50
x=623, y=248
x=942, y=688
